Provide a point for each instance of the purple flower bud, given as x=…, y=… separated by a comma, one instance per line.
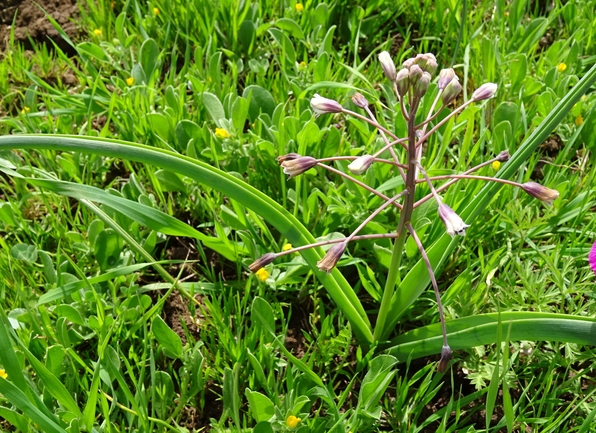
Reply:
x=361, y=164
x=288, y=157
x=359, y=100
x=415, y=74
x=503, y=156
x=408, y=63
x=421, y=86
x=402, y=81
x=294, y=167
x=540, y=192
x=454, y=225
x=446, y=354
x=333, y=255
x=261, y=262
x=592, y=257
x=427, y=62
x=451, y=91
x=486, y=91
x=445, y=77
x=322, y=105
x=387, y=65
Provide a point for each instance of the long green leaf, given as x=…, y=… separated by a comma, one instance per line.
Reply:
x=417, y=279
x=288, y=226
x=482, y=329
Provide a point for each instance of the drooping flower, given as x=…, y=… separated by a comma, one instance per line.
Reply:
x=328, y=262
x=592, y=257
x=540, y=192
x=446, y=354
x=292, y=421
x=262, y=261
x=388, y=65
x=454, y=225
x=322, y=105
x=294, y=167
x=361, y=164
x=486, y=91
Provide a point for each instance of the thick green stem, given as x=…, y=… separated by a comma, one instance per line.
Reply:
x=406, y=215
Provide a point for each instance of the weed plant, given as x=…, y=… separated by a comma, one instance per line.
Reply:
x=127, y=301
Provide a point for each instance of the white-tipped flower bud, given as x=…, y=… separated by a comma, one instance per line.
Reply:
x=408, y=63
x=415, y=74
x=361, y=164
x=446, y=354
x=388, y=65
x=486, y=91
x=403, y=82
x=445, y=77
x=328, y=262
x=451, y=91
x=322, y=105
x=541, y=192
x=359, y=100
x=454, y=225
x=422, y=85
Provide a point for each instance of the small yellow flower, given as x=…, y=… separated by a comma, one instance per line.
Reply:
x=561, y=67
x=496, y=165
x=3, y=374
x=97, y=32
x=583, y=98
x=292, y=421
x=262, y=274
x=156, y=11
x=286, y=247
x=579, y=120
x=506, y=13
x=302, y=64
x=130, y=81
x=221, y=133
x=299, y=7
x=25, y=110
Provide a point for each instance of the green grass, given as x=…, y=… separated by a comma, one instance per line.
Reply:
x=117, y=318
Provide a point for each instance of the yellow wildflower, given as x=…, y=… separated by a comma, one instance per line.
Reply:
x=130, y=81
x=221, y=133
x=583, y=98
x=262, y=274
x=292, y=421
x=25, y=110
x=3, y=374
x=286, y=247
x=97, y=32
x=156, y=11
x=496, y=165
x=579, y=120
x=561, y=67
x=302, y=64
x=299, y=7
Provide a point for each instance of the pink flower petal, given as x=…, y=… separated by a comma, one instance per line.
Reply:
x=592, y=257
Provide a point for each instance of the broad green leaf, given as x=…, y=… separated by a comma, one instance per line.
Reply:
x=479, y=330
x=260, y=405
x=166, y=337
x=261, y=101
x=24, y=252
x=214, y=107
x=170, y=181
x=148, y=57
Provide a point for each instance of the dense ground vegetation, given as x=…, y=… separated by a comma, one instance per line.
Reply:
x=118, y=324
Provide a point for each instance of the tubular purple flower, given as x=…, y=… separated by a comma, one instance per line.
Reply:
x=333, y=255
x=288, y=157
x=359, y=100
x=592, y=257
x=446, y=354
x=262, y=261
x=451, y=91
x=486, y=91
x=503, y=156
x=454, y=225
x=322, y=105
x=540, y=192
x=361, y=164
x=294, y=167
x=445, y=77
x=387, y=65
x=403, y=82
